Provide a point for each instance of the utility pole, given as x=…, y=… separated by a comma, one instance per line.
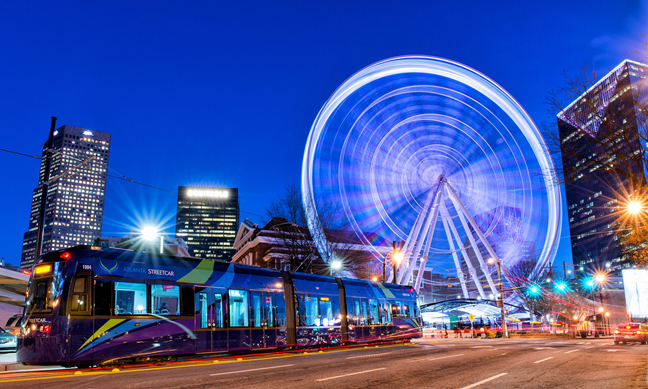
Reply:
x=501, y=298
x=44, y=189
x=394, y=261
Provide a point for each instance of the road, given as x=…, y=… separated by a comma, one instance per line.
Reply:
x=447, y=363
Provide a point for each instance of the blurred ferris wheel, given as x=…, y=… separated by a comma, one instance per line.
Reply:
x=433, y=153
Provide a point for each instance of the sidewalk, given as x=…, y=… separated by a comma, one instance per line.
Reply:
x=8, y=364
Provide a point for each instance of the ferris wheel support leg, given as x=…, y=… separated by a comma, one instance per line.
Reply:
x=471, y=238
x=430, y=234
x=471, y=268
x=413, y=238
x=460, y=273
x=453, y=195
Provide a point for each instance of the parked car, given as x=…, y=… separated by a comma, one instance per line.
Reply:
x=13, y=325
x=631, y=332
x=7, y=341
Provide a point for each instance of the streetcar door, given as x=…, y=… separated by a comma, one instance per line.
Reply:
x=257, y=319
x=264, y=332
x=204, y=317
x=219, y=329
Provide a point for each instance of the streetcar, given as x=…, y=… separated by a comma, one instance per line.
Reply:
x=90, y=305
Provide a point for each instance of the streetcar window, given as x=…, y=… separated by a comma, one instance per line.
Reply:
x=408, y=310
x=102, y=297
x=130, y=298
x=356, y=312
x=373, y=312
x=79, y=285
x=281, y=310
x=203, y=306
x=256, y=310
x=397, y=308
x=326, y=311
x=218, y=311
x=238, y=301
x=387, y=314
x=363, y=315
x=165, y=299
x=268, y=308
x=310, y=314
x=78, y=302
x=41, y=295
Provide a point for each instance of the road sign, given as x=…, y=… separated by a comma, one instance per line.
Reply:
x=471, y=317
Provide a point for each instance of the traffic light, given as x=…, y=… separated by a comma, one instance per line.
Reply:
x=533, y=290
x=561, y=286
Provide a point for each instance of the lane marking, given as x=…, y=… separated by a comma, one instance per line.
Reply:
x=612, y=351
x=368, y=356
x=450, y=356
x=480, y=346
x=567, y=352
x=245, y=371
x=544, y=348
x=484, y=381
x=580, y=342
x=350, y=374
x=542, y=360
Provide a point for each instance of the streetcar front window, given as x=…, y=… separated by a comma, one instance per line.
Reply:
x=44, y=288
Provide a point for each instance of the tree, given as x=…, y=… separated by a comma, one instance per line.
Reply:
x=602, y=140
x=542, y=296
x=336, y=238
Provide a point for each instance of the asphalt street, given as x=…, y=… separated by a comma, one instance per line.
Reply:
x=461, y=363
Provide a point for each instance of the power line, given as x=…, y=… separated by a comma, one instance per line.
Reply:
x=124, y=178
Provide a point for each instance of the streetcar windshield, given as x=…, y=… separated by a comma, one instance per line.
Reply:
x=44, y=288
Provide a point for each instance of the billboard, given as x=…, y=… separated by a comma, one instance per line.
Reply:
x=635, y=283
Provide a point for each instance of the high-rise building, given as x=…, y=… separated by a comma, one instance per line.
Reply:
x=603, y=119
x=207, y=219
x=75, y=198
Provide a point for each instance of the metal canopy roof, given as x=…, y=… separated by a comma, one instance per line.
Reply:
x=13, y=286
x=478, y=308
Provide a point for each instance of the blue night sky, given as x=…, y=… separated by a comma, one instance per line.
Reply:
x=224, y=93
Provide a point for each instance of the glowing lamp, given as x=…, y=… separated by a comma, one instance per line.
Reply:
x=600, y=277
x=65, y=255
x=634, y=207
x=398, y=257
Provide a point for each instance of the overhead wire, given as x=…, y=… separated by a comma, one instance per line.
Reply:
x=124, y=178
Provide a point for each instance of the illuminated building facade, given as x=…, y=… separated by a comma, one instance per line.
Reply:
x=207, y=219
x=75, y=200
x=592, y=195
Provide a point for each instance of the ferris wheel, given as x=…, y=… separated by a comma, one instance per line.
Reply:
x=435, y=154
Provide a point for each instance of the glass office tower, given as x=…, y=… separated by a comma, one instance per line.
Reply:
x=207, y=219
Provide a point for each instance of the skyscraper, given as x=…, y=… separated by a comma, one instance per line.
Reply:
x=207, y=219
x=75, y=197
x=595, y=129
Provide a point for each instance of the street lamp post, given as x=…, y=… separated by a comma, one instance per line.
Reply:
x=397, y=256
x=501, y=295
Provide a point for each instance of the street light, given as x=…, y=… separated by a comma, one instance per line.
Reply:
x=336, y=265
x=500, y=294
x=397, y=257
x=634, y=207
x=150, y=233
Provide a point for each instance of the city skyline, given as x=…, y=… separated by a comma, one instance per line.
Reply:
x=179, y=108
x=75, y=198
